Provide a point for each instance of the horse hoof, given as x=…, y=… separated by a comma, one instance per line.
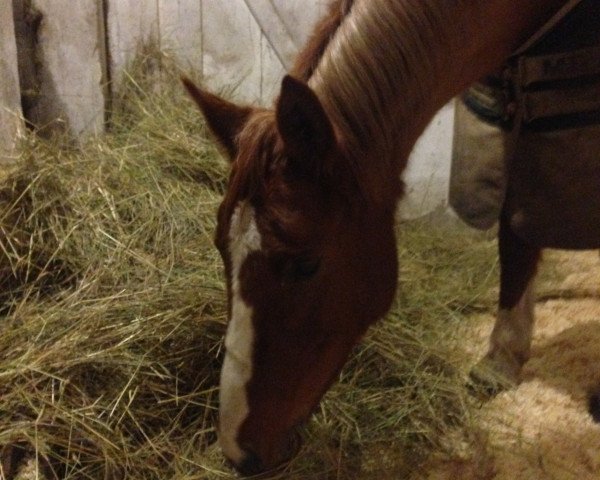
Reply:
x=485, y=387
x=489, y=378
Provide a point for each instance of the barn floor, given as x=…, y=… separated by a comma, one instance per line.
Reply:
x=542, y=428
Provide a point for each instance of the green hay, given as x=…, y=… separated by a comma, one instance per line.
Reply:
x=113, y=313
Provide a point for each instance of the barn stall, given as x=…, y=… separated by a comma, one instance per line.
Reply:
x=113, y=297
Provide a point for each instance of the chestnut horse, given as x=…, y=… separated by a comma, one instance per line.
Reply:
x=306, y=228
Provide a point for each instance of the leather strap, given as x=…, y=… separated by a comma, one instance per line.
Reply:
x=549, y=25
x=570, y=65
x=554, y=103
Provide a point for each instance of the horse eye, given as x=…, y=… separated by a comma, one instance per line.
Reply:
x=304, y=268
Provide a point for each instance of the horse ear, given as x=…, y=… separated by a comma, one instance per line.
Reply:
x=224, y=118
x=303, y=125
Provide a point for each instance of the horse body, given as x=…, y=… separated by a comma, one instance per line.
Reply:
x=306, y=228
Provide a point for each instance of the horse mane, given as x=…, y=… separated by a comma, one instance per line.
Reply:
x=382, y=68
x=391, y=64
x=374, y=79
x=357, y=58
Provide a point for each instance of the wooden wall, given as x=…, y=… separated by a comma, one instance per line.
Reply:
x=69, y=51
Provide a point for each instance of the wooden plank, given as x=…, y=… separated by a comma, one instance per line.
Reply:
x=275, y=30
x=285, y=26
x=10, y=96
x=272, y=71
x=298, y=16
x=131, y=26
x=231, y=49
x=180, y=30
x=70, y=66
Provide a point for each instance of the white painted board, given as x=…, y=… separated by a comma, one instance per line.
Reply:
x=71, y=47
x=10, y=104
x=180, y=31
x=231, y=49
x=131, y=25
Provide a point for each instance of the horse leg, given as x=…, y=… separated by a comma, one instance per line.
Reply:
x=510, y=341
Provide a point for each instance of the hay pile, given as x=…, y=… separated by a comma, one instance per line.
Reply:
x=112, y=316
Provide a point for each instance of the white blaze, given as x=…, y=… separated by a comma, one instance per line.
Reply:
x=244, y=238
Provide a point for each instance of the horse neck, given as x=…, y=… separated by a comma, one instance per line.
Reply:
x=393, y=63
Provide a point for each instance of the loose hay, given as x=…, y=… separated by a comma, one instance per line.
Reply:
x=113, y=315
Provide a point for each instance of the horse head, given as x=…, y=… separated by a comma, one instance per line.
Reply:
x=310, y=264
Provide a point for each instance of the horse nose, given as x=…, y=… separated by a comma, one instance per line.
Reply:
x=250, y=465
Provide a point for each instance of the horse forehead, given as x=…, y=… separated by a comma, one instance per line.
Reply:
x=243, y=235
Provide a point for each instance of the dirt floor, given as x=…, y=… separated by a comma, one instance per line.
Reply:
x=542, y=429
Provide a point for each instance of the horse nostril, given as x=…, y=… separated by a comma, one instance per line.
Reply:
x=251, y=465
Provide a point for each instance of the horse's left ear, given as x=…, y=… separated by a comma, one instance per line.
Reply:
x=224, y=118
x=303, y=125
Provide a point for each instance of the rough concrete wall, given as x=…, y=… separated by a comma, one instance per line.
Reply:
x=10, y=105
x=62, y=66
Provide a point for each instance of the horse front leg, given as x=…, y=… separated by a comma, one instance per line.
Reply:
x=510, y=342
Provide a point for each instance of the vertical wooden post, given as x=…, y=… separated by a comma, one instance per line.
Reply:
x=61, y=65
x=10, y=96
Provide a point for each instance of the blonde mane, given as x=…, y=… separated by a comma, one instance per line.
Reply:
x=377, y=74
x=391, y=64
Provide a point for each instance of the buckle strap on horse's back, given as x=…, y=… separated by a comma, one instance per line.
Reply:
x=559, y=90
x=559, y=66
x=555, y=90
x=543, y=91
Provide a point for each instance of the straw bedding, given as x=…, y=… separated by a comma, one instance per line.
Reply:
x=113, y=313
x=542, y=429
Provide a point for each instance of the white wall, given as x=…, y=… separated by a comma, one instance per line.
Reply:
x=61, y=60
x=427, y=176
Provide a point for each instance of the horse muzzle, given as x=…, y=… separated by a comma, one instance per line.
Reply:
x=271, y=460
